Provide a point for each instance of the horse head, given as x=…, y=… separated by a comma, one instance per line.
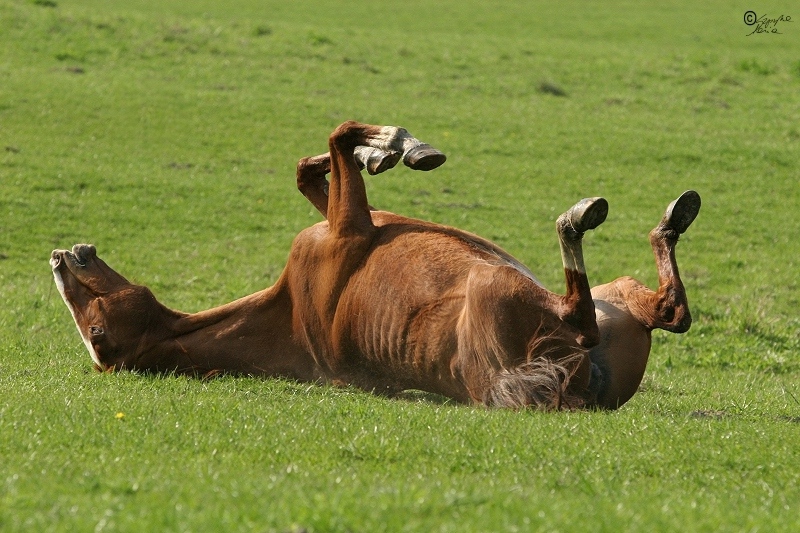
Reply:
x=113, y=316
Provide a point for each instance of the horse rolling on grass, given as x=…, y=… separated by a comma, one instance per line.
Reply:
x=388, y=303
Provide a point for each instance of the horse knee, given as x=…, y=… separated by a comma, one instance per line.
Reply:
x=312, y=170
x=345, y=137
x=304, y=167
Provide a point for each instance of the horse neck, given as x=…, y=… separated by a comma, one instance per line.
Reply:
x=252, y=335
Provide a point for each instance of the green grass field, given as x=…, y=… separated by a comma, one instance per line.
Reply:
x=166, y=133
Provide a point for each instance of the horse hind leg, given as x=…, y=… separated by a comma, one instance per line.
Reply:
x=680, y=214
x=668, y=307
x=513, y=351
x=577, y=307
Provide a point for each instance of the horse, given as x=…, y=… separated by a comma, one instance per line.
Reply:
x=387, y=303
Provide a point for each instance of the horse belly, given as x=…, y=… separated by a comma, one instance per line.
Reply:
x=622, y=353
x=401, y=333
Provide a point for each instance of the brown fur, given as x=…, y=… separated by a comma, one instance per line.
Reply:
x=388, y=303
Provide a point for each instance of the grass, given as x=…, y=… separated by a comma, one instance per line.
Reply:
x=239, y=454
x=167, y=133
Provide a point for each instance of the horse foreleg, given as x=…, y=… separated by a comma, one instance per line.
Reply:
x=376, y=160
x=354, y=146
x=311, y=180
x=577, y=307
x=311, y=171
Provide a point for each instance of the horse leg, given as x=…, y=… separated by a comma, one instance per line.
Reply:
x=416, y=155
x=376, y=160
x=311, y=171
x=556, y=372
x=577, y=307
x=628, y=311
x=347, y=202
x=667, y=308
x=326, y=257
x=311, y=180
x=513, y=350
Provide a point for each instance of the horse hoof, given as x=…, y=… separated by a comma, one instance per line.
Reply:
x=382, y=161
x=375, y=160
x=681, y=213
x=587, y=214
x=424, y=157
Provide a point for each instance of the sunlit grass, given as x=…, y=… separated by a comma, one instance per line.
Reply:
x=167, y=134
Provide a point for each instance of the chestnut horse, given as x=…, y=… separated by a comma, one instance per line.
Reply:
x=388, y=303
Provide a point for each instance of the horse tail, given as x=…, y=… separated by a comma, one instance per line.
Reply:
x=541, y=383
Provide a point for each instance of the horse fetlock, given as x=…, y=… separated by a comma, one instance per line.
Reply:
x=674, y=317
x=566, y=230
x=663, y=234
x=417, y=155
x=392, y=139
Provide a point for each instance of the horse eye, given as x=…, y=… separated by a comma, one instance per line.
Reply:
x=95, y=330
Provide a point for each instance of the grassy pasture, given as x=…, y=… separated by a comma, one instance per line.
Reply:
x=166, y=133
